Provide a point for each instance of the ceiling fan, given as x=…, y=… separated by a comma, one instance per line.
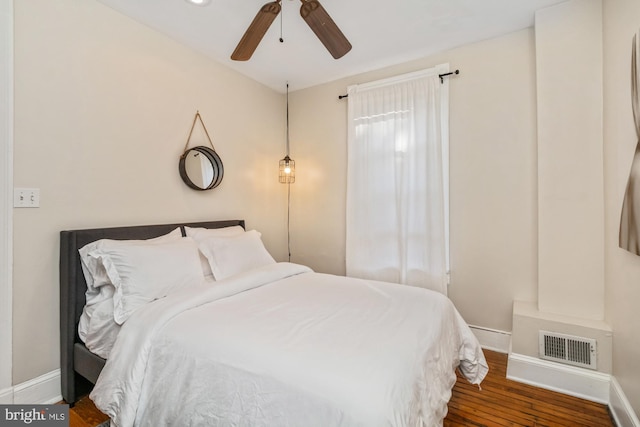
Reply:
x=314, y=15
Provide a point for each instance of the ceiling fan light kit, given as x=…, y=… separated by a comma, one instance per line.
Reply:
x=199, y=2
x=313, y=14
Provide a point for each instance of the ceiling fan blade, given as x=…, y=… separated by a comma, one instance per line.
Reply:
x=256, y=31
x=327, y=31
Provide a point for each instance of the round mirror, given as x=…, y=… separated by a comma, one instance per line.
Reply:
x=201, y=168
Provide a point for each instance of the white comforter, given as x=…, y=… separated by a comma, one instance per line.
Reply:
x=283, y=346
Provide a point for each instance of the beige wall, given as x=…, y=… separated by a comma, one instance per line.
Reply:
x=97, y=96
x=622, y=269
x=6, y=191
x=570, y=183
x=493, y=175
x=570, y=205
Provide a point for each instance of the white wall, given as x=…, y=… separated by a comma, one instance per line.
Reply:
x=103, y=107
x=622, y=269
x=493, y=174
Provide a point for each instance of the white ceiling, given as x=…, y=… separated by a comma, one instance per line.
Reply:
x=382, y=32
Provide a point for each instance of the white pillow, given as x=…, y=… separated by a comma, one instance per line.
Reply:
x=230, y=255
x=97, y=329
x=199, y=234
x=87, y=312
x=142, y=273
x=94, y=272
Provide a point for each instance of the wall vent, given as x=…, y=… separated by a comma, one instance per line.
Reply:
x=576, y=351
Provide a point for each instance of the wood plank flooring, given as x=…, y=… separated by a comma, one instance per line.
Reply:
x=85, y=414
x=500, y=403
x=503, y=402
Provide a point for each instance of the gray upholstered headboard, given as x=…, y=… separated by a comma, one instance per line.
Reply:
x=79, y=367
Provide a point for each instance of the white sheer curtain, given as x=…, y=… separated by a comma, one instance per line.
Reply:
x=397, y=183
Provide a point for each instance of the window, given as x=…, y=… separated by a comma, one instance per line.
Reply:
x=397, y=180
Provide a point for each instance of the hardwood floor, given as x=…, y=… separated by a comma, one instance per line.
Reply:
x=85, y=414
x=499, y=403
x=503, y=402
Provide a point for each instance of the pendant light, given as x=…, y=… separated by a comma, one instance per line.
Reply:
x=287, y=173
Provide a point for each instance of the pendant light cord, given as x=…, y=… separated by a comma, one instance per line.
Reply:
x=288, y=220
x=288, y=186
x=287, y=152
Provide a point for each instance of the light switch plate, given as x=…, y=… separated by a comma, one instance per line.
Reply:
x=26, y=197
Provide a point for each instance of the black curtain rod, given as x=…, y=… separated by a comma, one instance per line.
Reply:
x=442, y=76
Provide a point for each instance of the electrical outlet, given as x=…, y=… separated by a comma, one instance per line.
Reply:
x=26, y=197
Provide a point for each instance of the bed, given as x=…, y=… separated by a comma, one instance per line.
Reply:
x=274, y=344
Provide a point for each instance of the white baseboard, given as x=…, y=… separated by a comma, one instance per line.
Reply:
x=492, y=339
x=44, y=389
x=6, y=396
x=620, y=407
x=578, y=382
